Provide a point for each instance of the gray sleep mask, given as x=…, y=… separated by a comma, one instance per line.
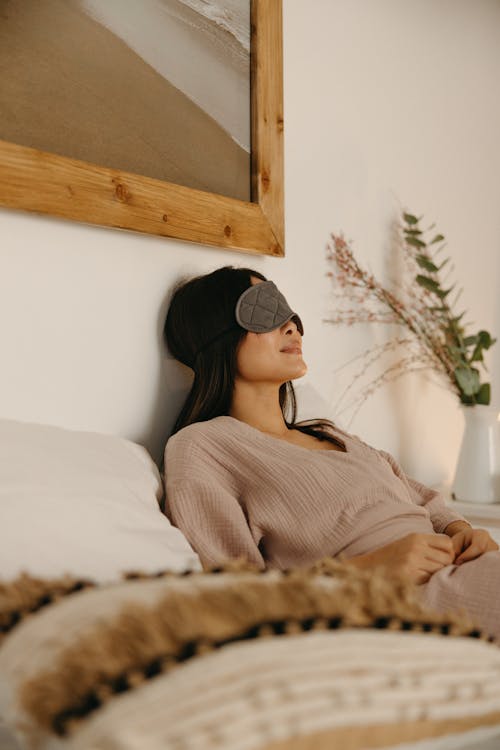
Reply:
x=262, y=308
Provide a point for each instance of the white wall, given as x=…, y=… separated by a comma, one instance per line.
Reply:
x=387, y=103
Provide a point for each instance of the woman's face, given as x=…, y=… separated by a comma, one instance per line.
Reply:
x=264, y=357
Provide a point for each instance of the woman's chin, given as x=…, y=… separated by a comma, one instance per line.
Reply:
x=301, y=371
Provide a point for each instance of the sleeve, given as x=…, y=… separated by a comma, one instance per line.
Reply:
x=441, y=515
x=207, y=511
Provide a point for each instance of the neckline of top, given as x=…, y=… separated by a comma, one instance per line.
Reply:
x=281, y=440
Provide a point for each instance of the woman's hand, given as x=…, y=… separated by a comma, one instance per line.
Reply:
x=469, y=543
x=415, y=557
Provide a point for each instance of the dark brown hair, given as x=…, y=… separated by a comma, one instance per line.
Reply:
x=201, y=332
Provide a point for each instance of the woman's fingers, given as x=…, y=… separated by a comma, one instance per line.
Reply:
x=475, y=549
x=421, y=576
x=439, y=541
x=439, y=548
x=422, y=568
x=470, y=553
x=440, y=557
x=419, y=556
x=459, y=542
x=479, y=543
x=427, y=568
x=431, y=565
x=424, y=554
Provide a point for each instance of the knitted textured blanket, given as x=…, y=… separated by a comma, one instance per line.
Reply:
x=238, y=657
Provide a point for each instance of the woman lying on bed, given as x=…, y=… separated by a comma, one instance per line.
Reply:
x=244, y=481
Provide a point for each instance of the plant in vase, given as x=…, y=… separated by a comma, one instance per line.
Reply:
x=435, y=338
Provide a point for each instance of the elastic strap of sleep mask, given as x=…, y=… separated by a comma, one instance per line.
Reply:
x=214, y=339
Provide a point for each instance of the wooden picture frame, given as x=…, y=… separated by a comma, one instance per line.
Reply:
x=47, y=183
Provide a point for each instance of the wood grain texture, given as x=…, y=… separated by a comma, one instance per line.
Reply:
x=47, y=183
x=267, y=113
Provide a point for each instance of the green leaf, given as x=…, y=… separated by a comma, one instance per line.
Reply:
x=437, y=238
x=412, y=231
x=468, y=380
x=483, y=395
x=415, y=242
x=428, y=283
x=410, y=219
x=477, y=354
x=467, y=399
x=470, y=340
x=485, y=339
x=442, y=293
x=424, y=262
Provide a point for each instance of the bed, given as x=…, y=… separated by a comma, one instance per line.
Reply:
x=112, y=637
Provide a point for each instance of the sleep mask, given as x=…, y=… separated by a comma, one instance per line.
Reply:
x=260, y=309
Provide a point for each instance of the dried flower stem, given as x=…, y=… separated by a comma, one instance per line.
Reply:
x=437, y=335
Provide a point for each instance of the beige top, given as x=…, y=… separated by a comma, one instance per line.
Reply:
x=235, y=491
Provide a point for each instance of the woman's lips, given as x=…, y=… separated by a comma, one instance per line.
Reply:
x=292, y=350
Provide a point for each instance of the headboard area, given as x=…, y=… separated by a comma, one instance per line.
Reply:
x=82, y=310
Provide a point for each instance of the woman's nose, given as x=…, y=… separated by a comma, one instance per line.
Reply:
x=291, y=325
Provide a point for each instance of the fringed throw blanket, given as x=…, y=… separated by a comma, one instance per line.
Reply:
x=238, y=658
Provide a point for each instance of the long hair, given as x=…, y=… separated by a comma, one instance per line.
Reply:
x=201, y=308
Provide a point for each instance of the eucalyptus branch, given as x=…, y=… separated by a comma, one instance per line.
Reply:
x=421, y=304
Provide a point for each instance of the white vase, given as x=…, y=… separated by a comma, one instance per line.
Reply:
x=477, y=477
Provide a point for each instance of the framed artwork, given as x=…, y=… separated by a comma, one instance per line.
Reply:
x=159, y=116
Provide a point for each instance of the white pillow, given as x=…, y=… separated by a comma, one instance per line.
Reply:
x=82, y=503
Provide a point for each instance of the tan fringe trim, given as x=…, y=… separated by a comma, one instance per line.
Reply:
x=190, y=619
x=25, y=595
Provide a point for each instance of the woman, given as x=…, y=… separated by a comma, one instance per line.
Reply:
x=243, y=480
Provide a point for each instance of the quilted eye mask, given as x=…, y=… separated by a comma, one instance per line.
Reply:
x=262, y=308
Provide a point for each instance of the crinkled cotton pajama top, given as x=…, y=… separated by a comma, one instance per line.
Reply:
x=235, y=491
